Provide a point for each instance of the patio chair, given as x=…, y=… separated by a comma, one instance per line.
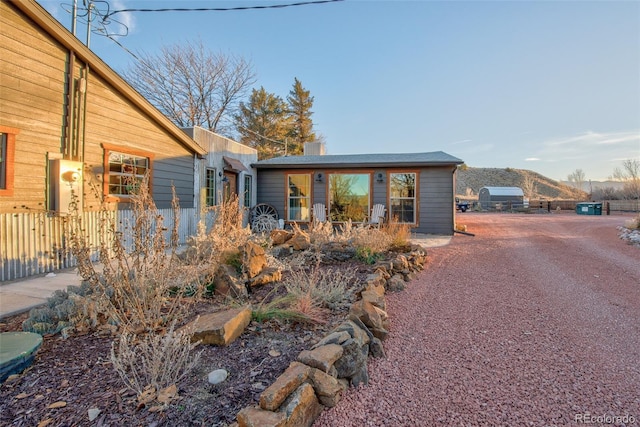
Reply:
x=319, y=212
x=378, y=212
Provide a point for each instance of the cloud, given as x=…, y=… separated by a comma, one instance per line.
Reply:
x=532, y=159
x=122, y=23
x=596, y=138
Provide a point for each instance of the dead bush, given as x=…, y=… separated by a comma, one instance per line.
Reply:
x=151, y=363
x=322, y=286
x=138, y=267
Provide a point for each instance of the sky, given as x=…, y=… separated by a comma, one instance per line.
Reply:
x=548, y=86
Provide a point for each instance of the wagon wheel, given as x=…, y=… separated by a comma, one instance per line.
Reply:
x=264, y=218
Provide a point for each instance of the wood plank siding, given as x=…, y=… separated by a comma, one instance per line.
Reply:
x=32, y=67
x=436, y=210
x=35, y=54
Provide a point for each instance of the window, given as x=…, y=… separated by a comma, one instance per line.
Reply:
x=298, y=197
x=7, y=144
x=402, y=197
x=124, y=171
x=210, y=187
x=247, y=191
x=349, y=196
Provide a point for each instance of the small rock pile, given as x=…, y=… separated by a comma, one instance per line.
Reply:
x=630, y=235
x=320, y=375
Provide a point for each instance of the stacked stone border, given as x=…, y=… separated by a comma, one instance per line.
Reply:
x=320, y=375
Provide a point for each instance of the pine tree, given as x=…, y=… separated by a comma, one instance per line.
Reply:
x=264, y=123
x=300, y=104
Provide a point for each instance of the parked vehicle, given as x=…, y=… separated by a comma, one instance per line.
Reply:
x=461, y=206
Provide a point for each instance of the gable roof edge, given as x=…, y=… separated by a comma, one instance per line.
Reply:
x=55, y=29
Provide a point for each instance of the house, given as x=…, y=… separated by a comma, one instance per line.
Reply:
x=416, y=188
x=224, y=170
x=73, y=133
x=64, y=108
x=501, y=198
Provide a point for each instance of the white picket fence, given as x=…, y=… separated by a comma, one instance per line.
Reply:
x=37, y=243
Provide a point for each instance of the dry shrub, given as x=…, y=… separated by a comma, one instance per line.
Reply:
x=320, y=232
x=375, y=239
x=226, y=236
x=139, y=266
x=140, y=289
x=633, y=223
x=325, y=287
x=399, y=233
x=153, y=362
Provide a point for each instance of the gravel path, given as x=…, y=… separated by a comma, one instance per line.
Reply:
x=533, y=322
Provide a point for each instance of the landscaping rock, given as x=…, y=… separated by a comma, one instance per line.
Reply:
x=268, y=275
x=300, y=241
x=253, y=259
x=220, y=328
x=302, y=407
x=284, y=385
x=372, y=316
x=218, y=376
x=321, y=357
x=328, y=389
x=338, y=251
x=333, y=338
x=353, y=360
x=253, y=416
x=278, y=237
x=396, y=283
x=228, y=282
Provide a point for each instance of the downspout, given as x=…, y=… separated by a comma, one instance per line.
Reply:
x=68, y=135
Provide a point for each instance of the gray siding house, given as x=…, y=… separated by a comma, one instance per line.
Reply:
x=414, y=188
x=225, y=170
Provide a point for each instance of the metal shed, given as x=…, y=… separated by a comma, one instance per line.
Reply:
x=501, y=198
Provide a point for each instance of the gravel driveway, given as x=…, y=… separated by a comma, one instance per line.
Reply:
x=535, y=321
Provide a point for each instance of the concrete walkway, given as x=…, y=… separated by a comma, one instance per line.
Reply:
x=23, y=295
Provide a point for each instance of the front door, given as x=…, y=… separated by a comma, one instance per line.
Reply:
x=230, y=185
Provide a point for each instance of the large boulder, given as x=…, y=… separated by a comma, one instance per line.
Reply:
x=253, y=259
x=220, y=328
x=228, y=282
x=300, y=241
x=278, y=237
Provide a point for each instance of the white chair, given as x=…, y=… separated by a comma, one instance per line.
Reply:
x=319, y=212
x=378, y=213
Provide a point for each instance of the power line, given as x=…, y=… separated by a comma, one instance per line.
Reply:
x=222, y=9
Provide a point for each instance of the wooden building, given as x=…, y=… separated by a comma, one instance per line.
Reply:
x=414, y=188
x=63, y=107
x=74, y=133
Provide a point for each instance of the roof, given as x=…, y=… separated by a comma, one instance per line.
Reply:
x=56, y=30
x=436, y=158
x=504, y=191
x=234, y=165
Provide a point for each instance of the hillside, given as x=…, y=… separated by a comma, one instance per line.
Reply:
x=470, y=180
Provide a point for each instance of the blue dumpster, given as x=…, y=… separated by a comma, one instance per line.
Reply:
x=590, y=208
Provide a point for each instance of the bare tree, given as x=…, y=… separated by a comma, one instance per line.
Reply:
x=529, y=186
x=192, y=85
x=577, y=178
x=630, y=175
